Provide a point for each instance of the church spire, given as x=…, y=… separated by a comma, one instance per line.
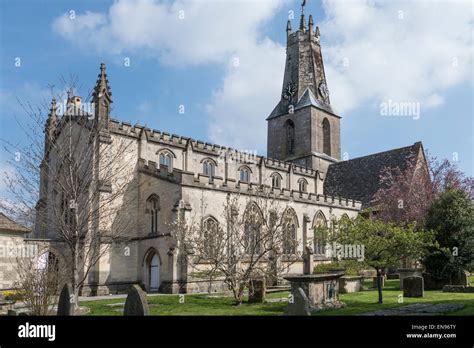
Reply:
x=304, y=69
x=102, y=97
x=304, y=81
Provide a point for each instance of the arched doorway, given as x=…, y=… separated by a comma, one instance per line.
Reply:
x=151, y=270
x=154, y=269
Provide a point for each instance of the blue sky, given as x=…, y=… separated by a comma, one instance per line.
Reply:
x=185, y=53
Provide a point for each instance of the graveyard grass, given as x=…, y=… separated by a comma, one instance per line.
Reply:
x=356, y=303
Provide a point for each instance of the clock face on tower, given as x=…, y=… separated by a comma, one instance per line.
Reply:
x=289, y=92
x=323, y=90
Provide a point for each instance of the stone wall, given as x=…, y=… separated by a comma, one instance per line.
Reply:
x=12, y=250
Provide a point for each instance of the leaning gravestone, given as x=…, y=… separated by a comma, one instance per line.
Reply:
x=136, y=303
x=299, y=304
x=66, y=300
x=413, y=287
x=257, y=290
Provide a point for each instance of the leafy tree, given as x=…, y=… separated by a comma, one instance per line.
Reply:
x=385, y=244
x=451, y=217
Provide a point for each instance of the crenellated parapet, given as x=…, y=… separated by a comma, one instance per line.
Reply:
x=198, y=180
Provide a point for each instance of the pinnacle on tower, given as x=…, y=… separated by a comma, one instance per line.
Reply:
x=302, y=20
x=52, y=117
x=102, y=87
x=102, y=98
x=50, y=126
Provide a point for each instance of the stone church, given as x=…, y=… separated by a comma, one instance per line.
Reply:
x=303, y=167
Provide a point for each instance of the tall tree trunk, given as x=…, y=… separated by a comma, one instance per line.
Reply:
x=75, y=275
x=238, y=295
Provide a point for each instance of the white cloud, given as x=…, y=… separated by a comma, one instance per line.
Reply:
x=179, y=32
x=397, y=50
x=199, y=32
x=82, y=24
x=249, y=93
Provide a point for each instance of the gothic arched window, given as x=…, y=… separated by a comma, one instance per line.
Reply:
x=290, y=242
x=152, y=208
x=290, y=137
x=208, y=168
x=320, y=227
x=326, y=137
x=244, y=174
x=276, y=181
x=210, y=230
x=303, y=185
x=165, y=159
x=253, y=225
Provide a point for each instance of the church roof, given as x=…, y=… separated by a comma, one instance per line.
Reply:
x=307, y=99
x=7, y=224
x=359, y=178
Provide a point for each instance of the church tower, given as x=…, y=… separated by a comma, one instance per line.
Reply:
x=303, y=128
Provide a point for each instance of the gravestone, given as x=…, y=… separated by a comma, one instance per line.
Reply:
x=257, y=290
x=66, y=300
x=136, y=303
x=300, y=304
x=408, y=272
x=462, y=279
x=413, y=287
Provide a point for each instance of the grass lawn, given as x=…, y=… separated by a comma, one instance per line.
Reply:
x=193, y=305
x=366, y=301
x=356, y=303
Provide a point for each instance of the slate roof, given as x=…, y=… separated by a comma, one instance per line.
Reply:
x=306, y=99
x=359, y=178
x=7, y=224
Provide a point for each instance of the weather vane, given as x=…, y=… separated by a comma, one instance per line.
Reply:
x=303, y=4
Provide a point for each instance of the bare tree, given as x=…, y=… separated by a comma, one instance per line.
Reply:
x=39, y=281
x=257, y=238
x=76, y=177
